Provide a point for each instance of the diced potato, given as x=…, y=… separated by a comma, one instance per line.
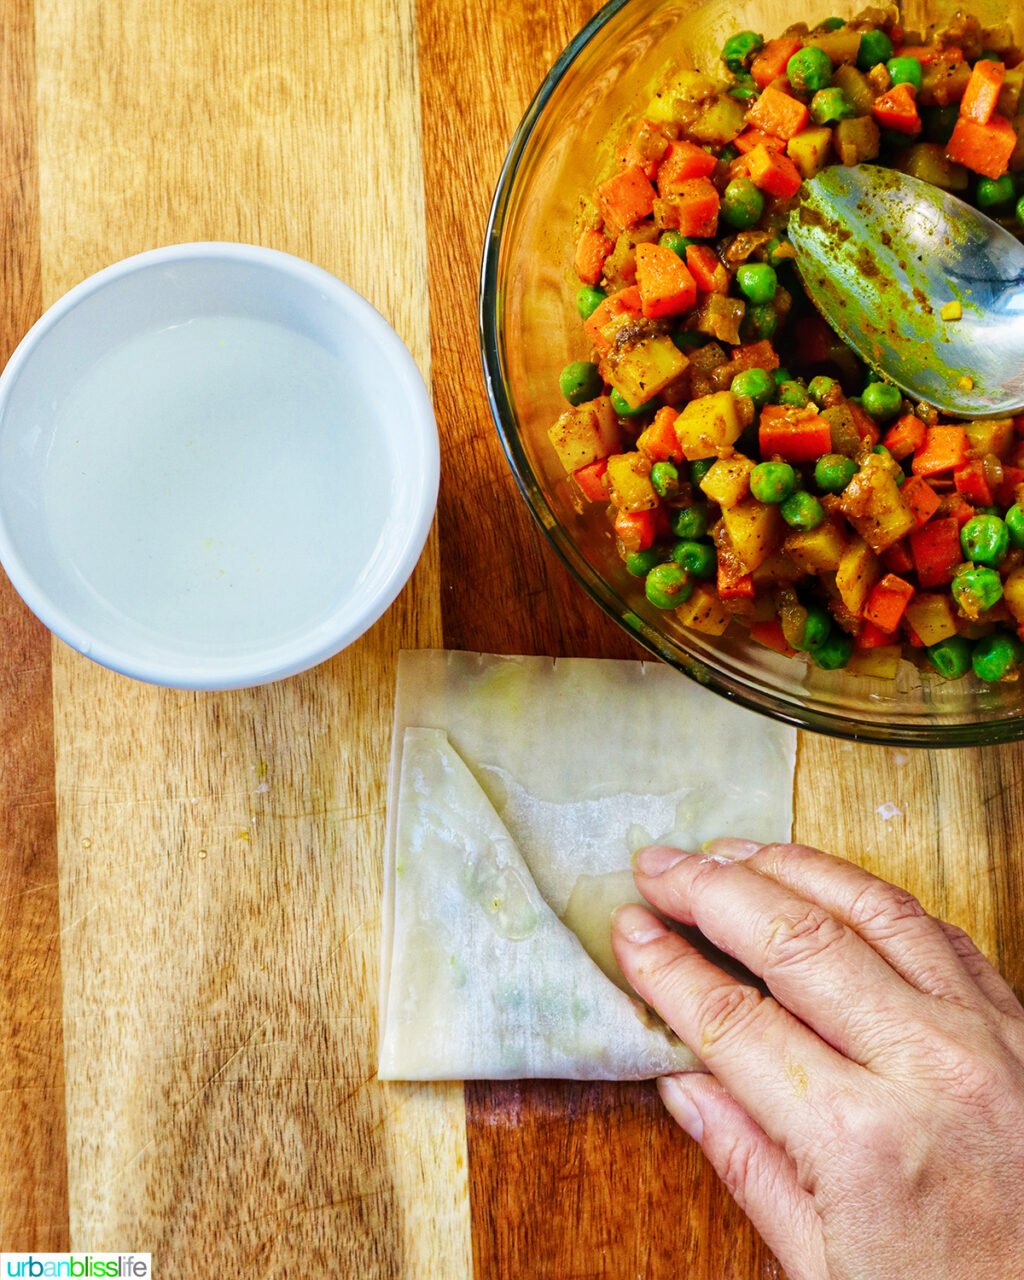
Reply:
x=883, y=662
x=929, y=162
x=841, y=46
x=704, y=612
x=991, y=435
x=728, y=480
x=931, y=617
x=755, y=530
x=942, y=82
x=857, y=573
x=857, y=140
x=644, y=369
x=721, y=317
x=586, y=433
x=777, y=569
x=809, y=150
x=620, y=265
x=1013, y=596
x=857, y=87
x=685, y=88
x=720, y=122
x=874, y=505
x=707, y=425
x=817, y=550
x=629, y=482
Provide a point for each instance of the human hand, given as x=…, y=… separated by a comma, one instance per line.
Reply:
x=868, y=1116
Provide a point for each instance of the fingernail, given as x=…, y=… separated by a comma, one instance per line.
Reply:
x=657, y=859
x=637, y=925
x=676, y=1097
x=729, y=849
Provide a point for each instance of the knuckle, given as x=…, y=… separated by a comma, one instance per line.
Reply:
x=725, y=1011
x=797, y=939
x=884, y=910
x=734, y=1164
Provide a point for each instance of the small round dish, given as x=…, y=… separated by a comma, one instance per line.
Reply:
x=218, y=466
x=529, y=330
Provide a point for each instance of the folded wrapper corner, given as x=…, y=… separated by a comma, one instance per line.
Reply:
x=519, y=789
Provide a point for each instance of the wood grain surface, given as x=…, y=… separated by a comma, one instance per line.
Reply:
x=187, y=1056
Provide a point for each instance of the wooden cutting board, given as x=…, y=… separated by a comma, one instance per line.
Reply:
x=190, y=882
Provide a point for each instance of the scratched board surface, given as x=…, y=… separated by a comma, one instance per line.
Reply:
x=191, y=882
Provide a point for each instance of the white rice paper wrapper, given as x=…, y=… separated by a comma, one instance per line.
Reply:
x=516, y=785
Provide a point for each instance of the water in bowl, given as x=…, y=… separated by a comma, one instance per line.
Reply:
x=217, y=483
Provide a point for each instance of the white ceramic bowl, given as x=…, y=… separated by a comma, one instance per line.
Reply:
x=218, y=466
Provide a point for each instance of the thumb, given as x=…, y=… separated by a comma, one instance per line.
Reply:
x=758, y=1174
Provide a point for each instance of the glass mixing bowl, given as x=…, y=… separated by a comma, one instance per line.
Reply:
x=530, y=330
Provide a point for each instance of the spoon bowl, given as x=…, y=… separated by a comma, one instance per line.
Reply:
x=881, y=252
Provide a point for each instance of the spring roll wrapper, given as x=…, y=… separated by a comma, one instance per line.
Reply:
x=519, y=790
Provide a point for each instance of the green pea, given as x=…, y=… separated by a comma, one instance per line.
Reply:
x=745, y=88
x=820, y=388
x=588, y=299
x=757, y=281
x=779, y=376
x=665, y=479
x=668, y=585
x=758, y=384
x=951, y=657
x=690, y=523
x=833, y=472
x=809, y=69
x=772, y=252
x=760, y=320
x=772, y=482
x=1019, y=211
x=802, y=510
x=623, y=408
x=904, y=71
x=1014, y=520
x=640, y=563
x=817, y=626
x=676, y=241
x=834, y=653
x=793, y=394
x=985, y=540
x=875, y=47
x=989, y=55
x=995, y=656
x=580, y=381
x=995, y=193
x=687, y=339
x=882, y=400
x=740, y=48
x=832, y=24
x=939, y=122
x=700, y=468
x=742, y=204
x=699, y=559
x=976, y=590
x=830, y=105
x=728, y=153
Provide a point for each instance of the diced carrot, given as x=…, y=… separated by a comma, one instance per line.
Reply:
x=696, y=203
x=647, y=145
x=956, y=506
x=751, y=138
x=773, y=172
x=872, y=637
x=897, y=559
x=771, y=635
x=625, y=198
x=794, y=435
x=615, y=304
x=665, y=284
x=754, y=355
x=905, y=437
x=972, y=482
x=887, y=601
x=985, y=148
x=867, y=427
x=944, y=449
x=770, y=63
x=935, y=548
x=921, y=498
x=777, y=113
x=982, y=92
x=897, y=109
x=590, y=480
x=707, y=269
x=635, y=529
x=734, y=586
x=682, y=161
x=591, y=250
x=659, y=441
x=1006, y=490
x=925, y=53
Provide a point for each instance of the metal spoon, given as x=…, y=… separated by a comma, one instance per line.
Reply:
x=880, y=252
